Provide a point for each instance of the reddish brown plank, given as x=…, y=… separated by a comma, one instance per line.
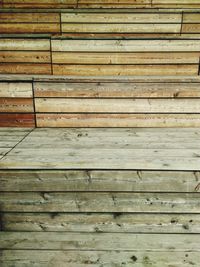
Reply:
x=17, y=120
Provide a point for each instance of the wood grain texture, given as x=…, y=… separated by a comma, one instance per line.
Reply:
x=17, y=120
x=144, y=181
x=124, y=70
x=22, y=258
x=24, y=105
x=24, y=44
x=25, y=68
x=24, y=57
x=117, y=89
x=116, y=120
x=103, y=241
x=15, y=89
x=101, y=223
x=39, y=4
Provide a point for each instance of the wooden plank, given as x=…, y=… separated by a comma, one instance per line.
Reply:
x=126, y=70
x=25, y=57
x=24, y=105
x=99, y=202
x=114, y=28
x=191, y=28
x=103, y=241
x=116, y=120
x=88, y=17
x=22, y=258
x=116, y=89
x=39, y=4
x=80, y=105
x=29, y=28
x=15, y=89
x=113, y=4
x=30, y=17
x=101, y=222
x=144, y=181
x=25, y=68
x=24, y=44
x=125, y=45
x=17, y=120
x=176, y=3
x=191, y=17
x=125, y=58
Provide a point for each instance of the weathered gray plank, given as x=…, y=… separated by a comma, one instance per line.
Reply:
x=100, y=202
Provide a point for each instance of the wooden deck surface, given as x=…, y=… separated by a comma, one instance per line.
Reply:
x=104, y=148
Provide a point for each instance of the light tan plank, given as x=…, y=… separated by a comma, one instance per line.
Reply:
x=114, y=28
x=22, y=258
x=125, y=58
x=116, y=120
x=191, y=28
x=191, y=17
x=25, y=57
x=159, y=181
x=121, y=17
x=98, y=222
x=127, y=70
x=48, y=17
x=116, y=89
x=39, y=4
x=24, y=44
x=117, y=105
x=126, y=45
x=25, y=68
x=15, y=89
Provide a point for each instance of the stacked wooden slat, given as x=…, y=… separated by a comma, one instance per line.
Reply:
x=96, y=23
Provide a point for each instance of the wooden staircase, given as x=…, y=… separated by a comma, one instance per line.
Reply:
x=100, y=133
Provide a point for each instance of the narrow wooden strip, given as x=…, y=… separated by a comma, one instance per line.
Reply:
x=100, y=202
x=96, y=241
x=191, y=28
x=98, y=222
x=191, y=17
x=24, y=57
x=22, y=68
x=29, y=28
x=24, y=105
x=128, y=28
x=125, y=58
x=117, y=105
x=39, y=4
x=99, y=181
x=118, y=120
x=45, y=17
x=24, y=44
x=122, y=17
x=17, y=120
x=129, y=70
x=22, y=258
x=126, y=45
x=15, y=89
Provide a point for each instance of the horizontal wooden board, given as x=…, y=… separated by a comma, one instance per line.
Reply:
x=116, y=89
x=46, y=17
x=124, y=70
x=125, y=58
x=191, y=28
x=25, y=57
x=191, y=17
x=114, y=28
x=17, y=120
x=24, y=44
x=98, y=222
x=103, y=241
x=29, y=28
x=24, y=105
x=15, y=89
x=117, y=105
x=122, y=17
x=116, y=120
x=98, y=258
x=99, y=202
x=25, y=68
x=39, y=3
x=159, y=181
x=114, y=4
x=126, y=45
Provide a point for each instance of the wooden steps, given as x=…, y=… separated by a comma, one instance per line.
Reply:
x=107, y=196
x=99, y=102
